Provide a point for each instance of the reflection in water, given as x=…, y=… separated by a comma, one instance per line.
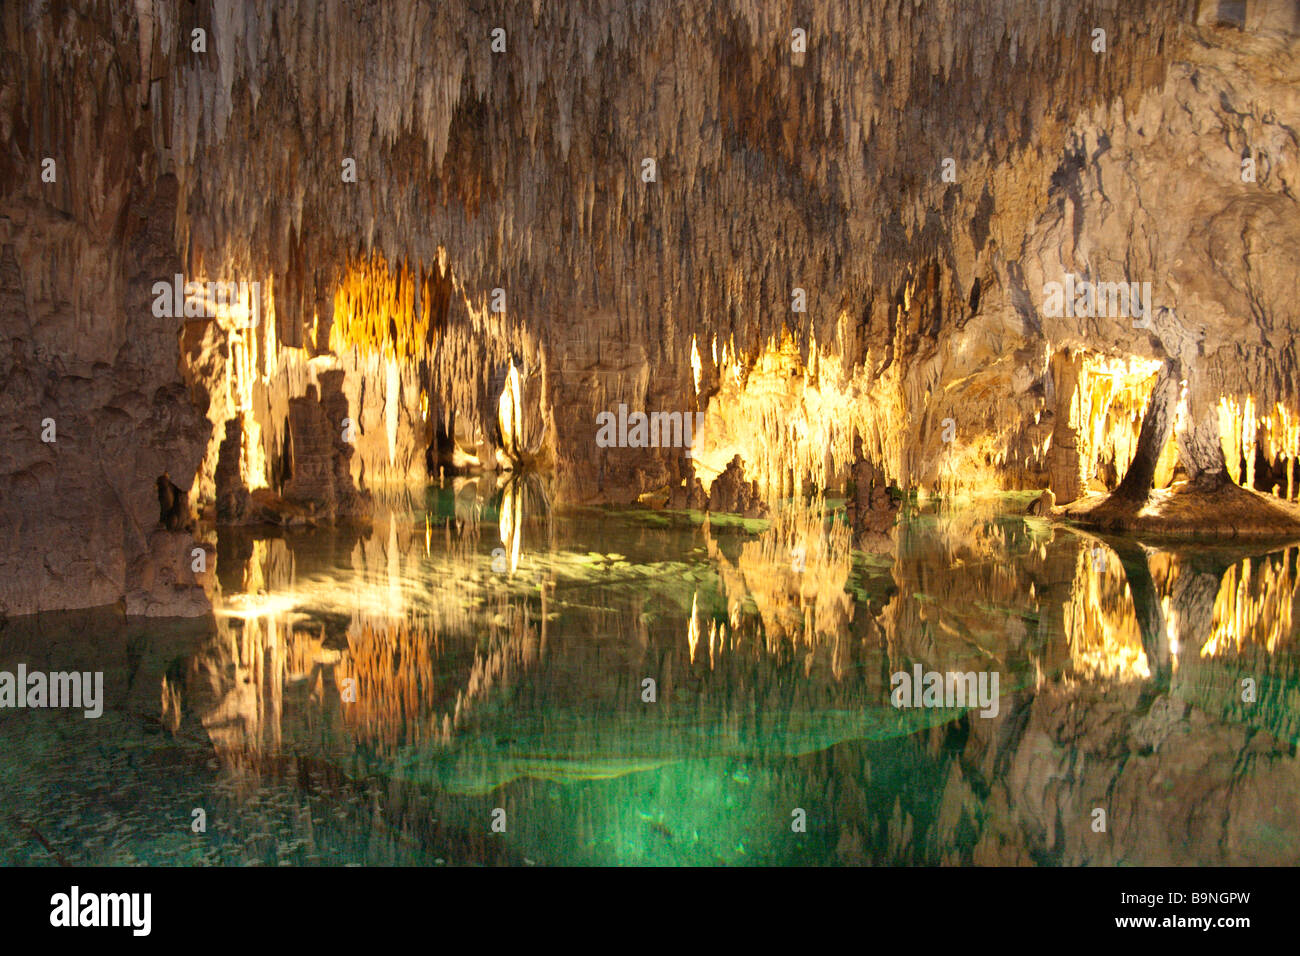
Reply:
x=373, y=696
x=1254, y=605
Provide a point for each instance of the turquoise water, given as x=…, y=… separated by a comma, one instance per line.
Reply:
x=466, y=682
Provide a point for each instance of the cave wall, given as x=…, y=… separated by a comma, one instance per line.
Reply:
x=94, y=405
x=228, y=154
x=525, y=169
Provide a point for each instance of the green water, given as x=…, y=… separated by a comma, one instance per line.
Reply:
x=466, y=682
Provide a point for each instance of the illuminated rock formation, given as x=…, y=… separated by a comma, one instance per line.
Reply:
x=840, y=254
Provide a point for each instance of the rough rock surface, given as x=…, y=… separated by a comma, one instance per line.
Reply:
x=872, y=509
x=732, y=494
x=384, y=175
x=319, y=455
x=1042, y=505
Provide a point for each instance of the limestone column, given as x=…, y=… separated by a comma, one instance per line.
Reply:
x=1064, y=468
x=1157, y=425
x=1199, y=446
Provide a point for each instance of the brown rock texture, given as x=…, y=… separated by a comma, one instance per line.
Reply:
x=731, y=493
x=873, y=509
x=319, y=455
x=663, y=205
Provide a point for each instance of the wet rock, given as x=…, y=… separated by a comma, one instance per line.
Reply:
x=689, y=495
x=873, y=509
x=732, y=494
x=266, y=507
x=231, y=492
x=321, y=484
x=1042, y=505
x=163, y=581
x=1186, y=510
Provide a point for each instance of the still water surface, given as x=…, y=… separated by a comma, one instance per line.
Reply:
x=633, y=687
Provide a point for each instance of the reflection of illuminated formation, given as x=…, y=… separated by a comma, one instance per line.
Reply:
x=1242, y=666
x=1254, y=606
x=268, y=673
x=522, y=493
x=236, y=688
x=1183, y=604
x=1157, y=732
x=961, y=605
x=261, y=681
x=395, y=670
x=1100, y=626
x=391, y=675
x=795, y=574
x=761, y=654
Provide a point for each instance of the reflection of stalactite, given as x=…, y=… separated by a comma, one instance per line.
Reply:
x=1157, y=612
x=948, y=619
x=523, y=499
x=1246, y=671
x=511, y=655
x=1104, y=635
x=1148, y=608
x=394, y=669
x=1254, y=605
x=795, y=574
x=511, y=523
x=236, y=688
x=467, y=698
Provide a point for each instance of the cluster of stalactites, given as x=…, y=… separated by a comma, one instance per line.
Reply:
x=529, y=163
x=423, y=315
x=1246, y=430
x=1107, y=411
x=389, y=311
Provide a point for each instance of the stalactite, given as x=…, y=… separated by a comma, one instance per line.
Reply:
x=319, y=138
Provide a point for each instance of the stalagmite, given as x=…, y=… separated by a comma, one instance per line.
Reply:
x=1200, y=445
x=1157, y=425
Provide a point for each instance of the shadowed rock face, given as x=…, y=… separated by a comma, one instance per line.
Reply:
x=384, y=175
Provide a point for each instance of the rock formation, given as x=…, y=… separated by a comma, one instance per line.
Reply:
x=951, y=240
x=872, y=509
x=730, y=492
